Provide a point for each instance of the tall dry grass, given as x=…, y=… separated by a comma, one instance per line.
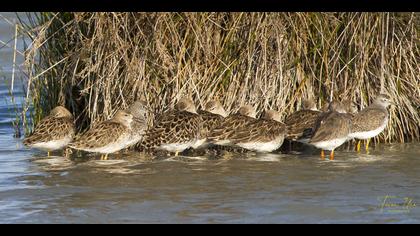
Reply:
x=95, y=63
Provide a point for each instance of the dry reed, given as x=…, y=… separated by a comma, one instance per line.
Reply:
x=94, y=63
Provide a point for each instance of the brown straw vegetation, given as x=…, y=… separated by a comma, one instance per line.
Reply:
x=94, y=63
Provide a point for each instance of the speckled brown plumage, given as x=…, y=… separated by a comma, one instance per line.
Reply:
x=301, y=124
x=140, y=112
x=100, y=135
x=58, y=125
x=331, y=129
x=212, y=115
x=174, y=130
x=261, y=130
x=333, y=125
x=226, y=129
x=372, y=120
x=210, y=121
x=369, y=119
x=50, y=128
x=172, y=127
x=106, y=137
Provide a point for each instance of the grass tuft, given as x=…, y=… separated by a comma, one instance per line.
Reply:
x=95, y=63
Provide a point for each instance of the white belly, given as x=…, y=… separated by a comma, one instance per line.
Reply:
x=330, y=144
x=176, y=147
x=110, y=148
x=53, y=145
x=134, y=139
x=368, y=134
x=223, y=142
x=261, y=147
x=201, y=143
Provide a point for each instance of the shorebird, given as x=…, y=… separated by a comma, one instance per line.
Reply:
x=370, y=121
x=106, y=137
x=174, y=131
x=222, y=134
x=331, y=130
x=349, y=106
x=212, y=115
x=53, y=132
x=309, y=104
x=300, y=124
x=139, y=111
x=263, y=135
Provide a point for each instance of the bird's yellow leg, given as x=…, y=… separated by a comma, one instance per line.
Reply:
x=332, y=155
x=322, y=155
x=106, y=157
x=176, y=153
x=367, y=145
x=48, y=153
x=358, y=146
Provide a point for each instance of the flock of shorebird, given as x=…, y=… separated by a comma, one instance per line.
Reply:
x=184, y=127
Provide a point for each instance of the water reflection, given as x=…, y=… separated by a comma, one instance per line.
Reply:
x=53, y=163
x=235, y=188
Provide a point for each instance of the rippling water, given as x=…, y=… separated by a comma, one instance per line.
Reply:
x=249, y=188
x=270, y=188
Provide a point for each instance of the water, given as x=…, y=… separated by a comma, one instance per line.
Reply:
x=271, y=188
